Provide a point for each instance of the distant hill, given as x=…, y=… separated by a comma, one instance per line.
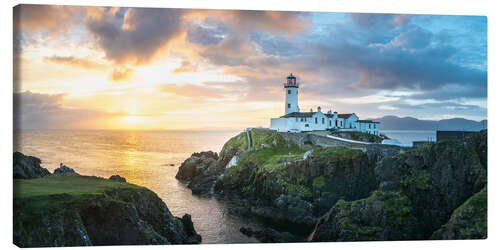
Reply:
x=411, y=123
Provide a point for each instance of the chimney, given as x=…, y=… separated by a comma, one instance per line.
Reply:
x=319, y=109
x=329, y=112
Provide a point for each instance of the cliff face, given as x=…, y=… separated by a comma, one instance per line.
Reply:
x=73, y=210
x=469, y=221
x=290, y=186
x=417, y=193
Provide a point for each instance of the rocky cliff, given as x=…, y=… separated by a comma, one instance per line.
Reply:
x=75, y=210
x=417, y=193
x=345, y=194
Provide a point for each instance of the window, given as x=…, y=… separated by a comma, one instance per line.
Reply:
x=316, y=120
x=369, y=126
x=336, y=123
x=322, y=120
x=307, y=125
x=289, y=91
x=330, y=123
x=289, y=105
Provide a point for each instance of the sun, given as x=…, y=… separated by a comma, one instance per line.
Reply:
x=133, y=119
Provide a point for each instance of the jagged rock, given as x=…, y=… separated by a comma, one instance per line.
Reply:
x=193, y=237
x=64, y=170
x=28, y=167
x=200, y=171
x=117, y=178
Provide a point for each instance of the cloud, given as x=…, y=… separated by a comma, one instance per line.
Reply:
x=206, y=91
x=45, y=111
x=28, y=17
x=75, y=62
x=415, y=38
x=244, y=21
x=121, y=74
x=186, y=66
x=368, y=20
x=136, y=36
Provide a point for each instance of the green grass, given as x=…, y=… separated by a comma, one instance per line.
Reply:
x=240, y=142
x=55, y=192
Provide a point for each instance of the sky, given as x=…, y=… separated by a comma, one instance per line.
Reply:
x=79, y=67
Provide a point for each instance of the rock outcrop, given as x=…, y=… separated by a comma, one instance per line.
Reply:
x=200, y=171
x=417, y=193
x=64, y=170
x=73, y=210
x=28, y=167
x=117, y=178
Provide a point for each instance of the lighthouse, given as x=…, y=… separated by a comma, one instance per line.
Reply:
x=291, y=94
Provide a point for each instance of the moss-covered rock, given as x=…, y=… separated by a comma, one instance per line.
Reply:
x=340, y=173
x=385, y=215
x=424, y=187
x=469, y=221
x=235, y=146
x=72, y=210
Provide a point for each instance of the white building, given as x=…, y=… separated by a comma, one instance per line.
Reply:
x=296, y=121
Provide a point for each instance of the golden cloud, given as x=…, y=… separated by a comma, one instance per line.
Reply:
x=121, y=74
x=75, y=62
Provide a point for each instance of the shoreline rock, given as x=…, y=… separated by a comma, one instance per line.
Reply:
x=64, y=170
x=200, y=172
x=27, y=167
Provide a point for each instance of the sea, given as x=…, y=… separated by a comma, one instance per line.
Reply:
x=151, y=159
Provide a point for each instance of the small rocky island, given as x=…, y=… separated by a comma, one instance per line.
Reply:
x=68, y=209
x=308, y=189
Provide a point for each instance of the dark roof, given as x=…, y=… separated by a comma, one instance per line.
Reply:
x=329, y=115
x=345, y=116
x=367, y=121
x=299, y=114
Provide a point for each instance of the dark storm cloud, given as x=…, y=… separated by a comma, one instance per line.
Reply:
x=211, y=32
x=44, y=111
x=138, y=35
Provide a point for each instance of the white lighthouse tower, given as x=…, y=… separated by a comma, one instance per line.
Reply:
x=291, y=92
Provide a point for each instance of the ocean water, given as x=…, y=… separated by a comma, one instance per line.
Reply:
x=409, y=136
x=143, y=158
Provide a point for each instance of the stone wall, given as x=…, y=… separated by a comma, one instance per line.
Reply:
x=320, y=139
